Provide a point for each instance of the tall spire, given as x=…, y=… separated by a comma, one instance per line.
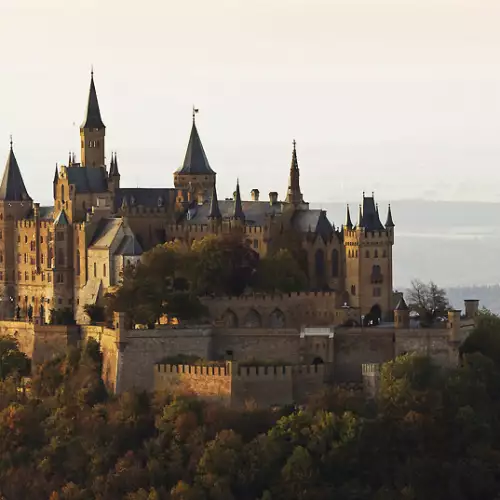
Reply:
x=113, y=166
x=12, y=187
x=293, y=194
x=195, y=161
x=348, y=222
x=238, y=208
x=214, y=212
x=389, y=222
x=360, y=215
x=93, y=114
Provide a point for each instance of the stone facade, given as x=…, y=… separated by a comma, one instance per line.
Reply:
x=63, y=256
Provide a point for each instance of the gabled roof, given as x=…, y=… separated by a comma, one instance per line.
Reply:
x=195, y=161
x=129, y=247
x=61, y=219
x=402, y=305
x=106, y=232
x=88, y=180
x=93, y=114
x=12, y=187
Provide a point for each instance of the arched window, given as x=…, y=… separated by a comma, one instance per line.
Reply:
x=60, y=257
x=353, y=289
x=376, y=254
x=230, y=319
x=367, y=254
x=252, y=319
x=319, y=263
x=95, y=270
x=104, y=270
x=376, y=276
x=277, y=319
x=335, y=263
x=78, y=262
x=62, y=193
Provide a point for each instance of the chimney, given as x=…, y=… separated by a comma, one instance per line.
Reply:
x=273, y=197
x=471, y=308
x=255, y=194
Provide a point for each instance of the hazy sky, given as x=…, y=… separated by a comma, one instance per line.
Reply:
x=401, y=97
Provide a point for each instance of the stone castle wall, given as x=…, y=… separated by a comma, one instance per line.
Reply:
x=242, y=386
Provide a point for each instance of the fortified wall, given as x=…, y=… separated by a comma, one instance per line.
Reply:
x=241, y=386
x=129, y=355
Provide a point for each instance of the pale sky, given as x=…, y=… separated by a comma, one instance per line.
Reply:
x=401, y=97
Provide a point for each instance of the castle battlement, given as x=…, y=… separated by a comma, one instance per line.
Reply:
x=205, y=370
x=268, y=297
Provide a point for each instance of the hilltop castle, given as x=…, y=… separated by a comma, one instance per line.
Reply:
x=66, y=256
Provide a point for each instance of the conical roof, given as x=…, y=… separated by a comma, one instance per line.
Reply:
x=389, y=222
x=12, y=187
x=113, y=166
x=402, y=305
x=238, y=208
x=93, y=114
x=348, y=222
x=195, y=161
x=214, y=212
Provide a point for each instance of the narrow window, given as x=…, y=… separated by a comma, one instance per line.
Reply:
x=95, y=270
x=104, y=270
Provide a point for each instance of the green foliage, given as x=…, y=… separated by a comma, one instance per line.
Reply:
x=13, y=362
x=62, y=316
x=485, y=338
x=432, y=433
x=280, y=272
x=96, y=313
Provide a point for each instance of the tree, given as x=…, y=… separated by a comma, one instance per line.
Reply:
x=428, y=300
x=96, y=313
x=12, y=360
x=222, y=265
x=485, y=338
x=280, y=272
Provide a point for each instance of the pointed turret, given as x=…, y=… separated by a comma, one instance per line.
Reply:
x=12, y=187
x=238, y=208
x=360, y=216
x=214, y=212
x=195, y=160
x=389, y=222
x=293, y=193
x=93, y=114
x=113, y=166
x=56, y=178
x=348, y=222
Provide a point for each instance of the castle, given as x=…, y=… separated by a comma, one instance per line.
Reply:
x=66, y=256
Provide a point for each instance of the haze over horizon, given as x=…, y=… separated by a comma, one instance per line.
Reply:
x=397, y=97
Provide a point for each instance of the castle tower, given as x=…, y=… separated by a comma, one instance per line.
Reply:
x=402, y=315
x=15, y=204
x=92, y=131
x=368, y=249
x=62, y=266
x=114, y=174
x=195, y=174
x=294, y=195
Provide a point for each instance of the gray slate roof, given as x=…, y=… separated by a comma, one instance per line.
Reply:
x=106, y=232
x=402, y=305
x=88, y=179
x=61, y=219
x=314, y=220
x=12, y=187
x=93, y=114
x=129, y=247
x=147, y=197
x=195, y=161
x=371, y=219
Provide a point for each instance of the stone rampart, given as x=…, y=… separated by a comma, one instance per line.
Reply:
x=241, y=386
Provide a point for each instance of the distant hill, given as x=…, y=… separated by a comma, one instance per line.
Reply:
x=489, y=296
